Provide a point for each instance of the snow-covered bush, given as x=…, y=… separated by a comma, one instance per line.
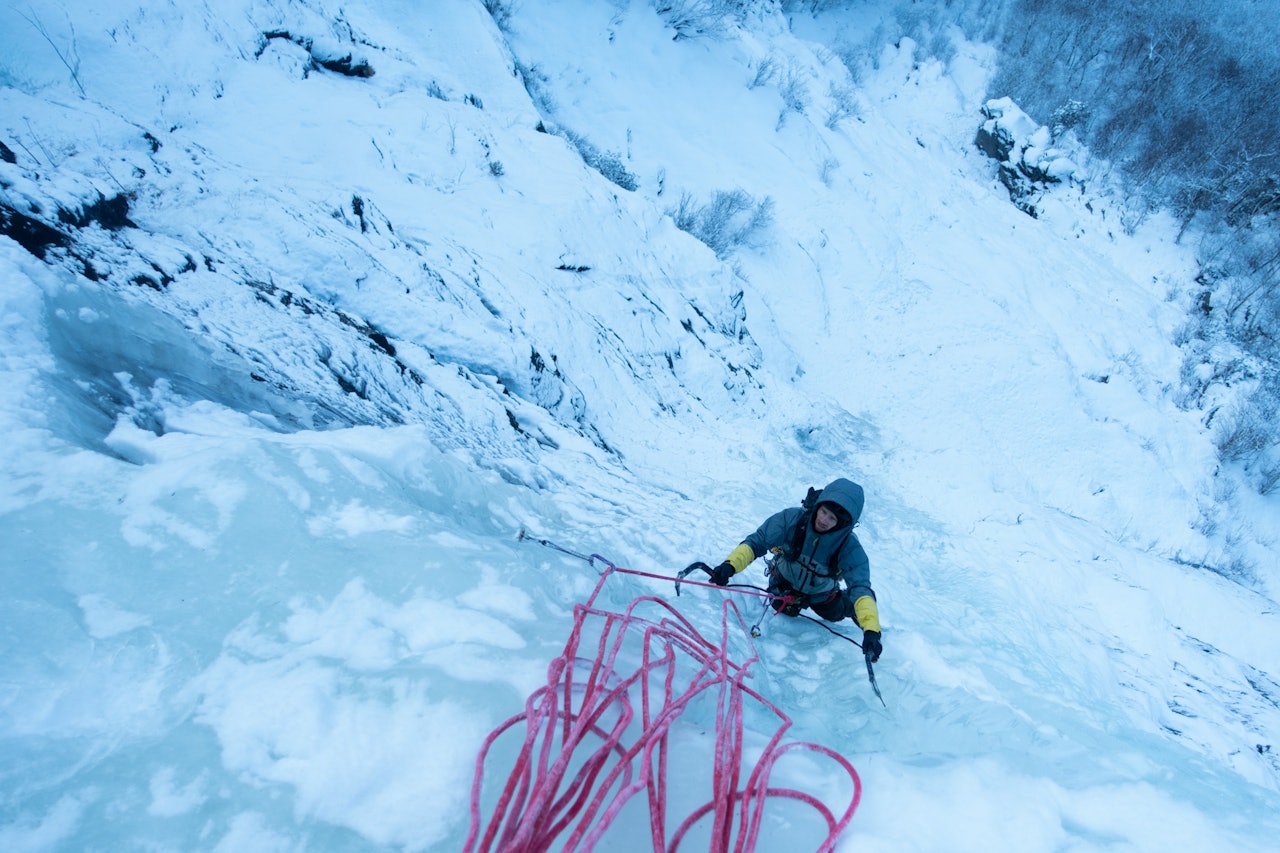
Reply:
x=732, y=218
x=1231, y=373
x=1249, y=437
x=794, y=90
x=844, y=104
x=607, y=163
x=500, y=11
x=1070, y=115
x=765, y=71
x=692, y=18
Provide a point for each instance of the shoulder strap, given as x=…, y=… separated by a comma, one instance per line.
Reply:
x=809, y=504
x=797, y=537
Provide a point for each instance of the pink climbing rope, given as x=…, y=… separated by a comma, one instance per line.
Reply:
x=600, y=732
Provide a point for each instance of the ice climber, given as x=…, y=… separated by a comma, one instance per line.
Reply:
x=815, y=550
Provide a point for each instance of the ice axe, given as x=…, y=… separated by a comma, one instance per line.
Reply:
x=871, y=675
x=688, y=570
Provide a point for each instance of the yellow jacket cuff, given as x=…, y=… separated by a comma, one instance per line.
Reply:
x=741, y=557
x=867, y=614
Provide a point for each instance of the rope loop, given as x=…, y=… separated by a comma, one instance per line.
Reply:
x=599, y=733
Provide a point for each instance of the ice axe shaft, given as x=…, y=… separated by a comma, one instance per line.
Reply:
x=522, y=536
x=871, y=676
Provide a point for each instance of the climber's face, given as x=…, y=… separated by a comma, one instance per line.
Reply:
x=824, y=520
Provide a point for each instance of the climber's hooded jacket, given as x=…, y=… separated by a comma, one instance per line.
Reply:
x=817, y=566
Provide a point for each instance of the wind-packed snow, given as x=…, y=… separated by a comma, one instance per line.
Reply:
x=269, y=437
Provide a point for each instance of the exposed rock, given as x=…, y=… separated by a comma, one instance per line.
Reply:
x=1028, y=161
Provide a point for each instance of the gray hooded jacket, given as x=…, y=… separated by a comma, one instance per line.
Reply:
x=810, y=572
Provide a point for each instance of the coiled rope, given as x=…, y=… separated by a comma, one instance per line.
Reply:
x=598, y=734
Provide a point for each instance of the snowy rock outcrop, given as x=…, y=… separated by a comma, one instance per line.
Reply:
x=1029, y=161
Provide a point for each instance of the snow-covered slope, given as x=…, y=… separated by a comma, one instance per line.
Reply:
x=291, y=350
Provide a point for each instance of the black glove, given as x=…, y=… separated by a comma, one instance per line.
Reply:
x=871, y=645
x=720, y=574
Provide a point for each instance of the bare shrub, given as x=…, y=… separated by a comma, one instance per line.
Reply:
x=607, y=163
x=844, y=104
x=766, y=70
x=732, y=218
x=794, y=89
x=693, y=18
x=1249, y=435
x=500, y=11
